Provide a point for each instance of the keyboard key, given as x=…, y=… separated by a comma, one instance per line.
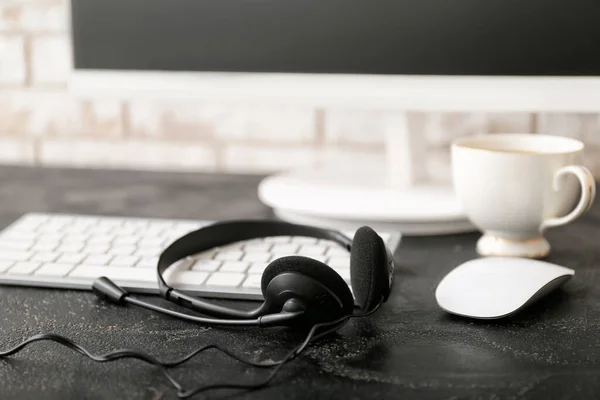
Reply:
x=161, y=225
x=177, y=232
x=70, y=248
x=304, y=240
x=255, y=241
x=335, y=251
x=127, y=230
x=309, y=249
x=285, y=248
x=323, y=259
x=14, y=255
x=15, y=245
x=110, y=222
x=230, y=247
x=4, y=265
x=54, y=269
x=45, y=246
x=257, y=257
x=96, y=249
x=151, y=241
x=100, y=239
x=33, y=219
x=277, y=239
x=85, y=221
x=136, y=223
x=154, y=230
x=18, y=235
x=257, y=247
x=167, y=240
x=188, y=226
x=186, y=278
x=124, y=261
x=257, y=268
x=53, y=238
x=206, y=265
x=98, y=259
x=328, y=243
x=148, y=262
x=49, y=228
x=114, y=273
x=75, y=228
x=45, y=257
x=99, y=229
x=205, y=255
x=229, y=255
x=225, y=279
x=344, y=273
x=60, y=219
x=179, y=265
x=126, y=240
x=123, y=250
x=23, y=268
x=71, y=258
x=339, y=262
x=75, y=238
x=253, y=281
x=234, y=266
x=148, y=251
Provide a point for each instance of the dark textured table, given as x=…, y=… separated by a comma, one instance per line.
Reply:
x=408, y=349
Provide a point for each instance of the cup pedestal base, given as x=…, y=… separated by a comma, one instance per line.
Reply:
x=495, y=246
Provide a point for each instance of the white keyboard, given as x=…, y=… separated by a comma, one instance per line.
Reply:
x=71, y=251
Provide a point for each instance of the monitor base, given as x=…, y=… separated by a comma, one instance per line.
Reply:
x=344, y=198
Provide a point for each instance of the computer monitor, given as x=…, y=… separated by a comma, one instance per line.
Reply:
x=393, y=56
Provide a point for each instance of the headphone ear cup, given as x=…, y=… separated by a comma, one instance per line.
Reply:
x=370, y=271
x=313, y=269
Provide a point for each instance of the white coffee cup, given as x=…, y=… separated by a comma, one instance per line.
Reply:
x=513, y=187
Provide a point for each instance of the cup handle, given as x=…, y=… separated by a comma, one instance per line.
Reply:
x=588, y=194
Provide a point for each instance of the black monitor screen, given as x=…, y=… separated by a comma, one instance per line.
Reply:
x=447, y=37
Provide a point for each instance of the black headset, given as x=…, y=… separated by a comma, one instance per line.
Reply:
x=298, y=291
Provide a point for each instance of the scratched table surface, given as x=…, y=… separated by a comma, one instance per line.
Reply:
x=408, y=349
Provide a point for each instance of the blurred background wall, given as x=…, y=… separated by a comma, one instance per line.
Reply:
x=42, y=124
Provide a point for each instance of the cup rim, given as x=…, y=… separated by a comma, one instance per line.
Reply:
x=467, y=143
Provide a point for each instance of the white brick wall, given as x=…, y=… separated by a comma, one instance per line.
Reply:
x=441, y=128
x=188, y=119
x=12, y=59
x=510, y=122
x=267, y=158
x=43, y=113
x=585, y=127
x=51, y=60
x=267, y=124
x=175, y=119
x=128, y=153
x=41, y=122
x=34, y=15
x=352, y=126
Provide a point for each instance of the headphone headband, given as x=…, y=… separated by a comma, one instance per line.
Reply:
x=226, y=232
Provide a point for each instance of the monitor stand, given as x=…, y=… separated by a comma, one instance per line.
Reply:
x=392, y=194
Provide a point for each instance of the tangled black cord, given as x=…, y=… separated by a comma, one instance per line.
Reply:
x=166, y=366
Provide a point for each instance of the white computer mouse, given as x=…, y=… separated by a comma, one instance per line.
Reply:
x=496, y=287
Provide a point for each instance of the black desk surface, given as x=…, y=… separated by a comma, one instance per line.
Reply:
x=409, y=349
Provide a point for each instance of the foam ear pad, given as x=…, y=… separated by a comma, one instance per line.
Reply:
x=314, y=269
x=369, y=272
